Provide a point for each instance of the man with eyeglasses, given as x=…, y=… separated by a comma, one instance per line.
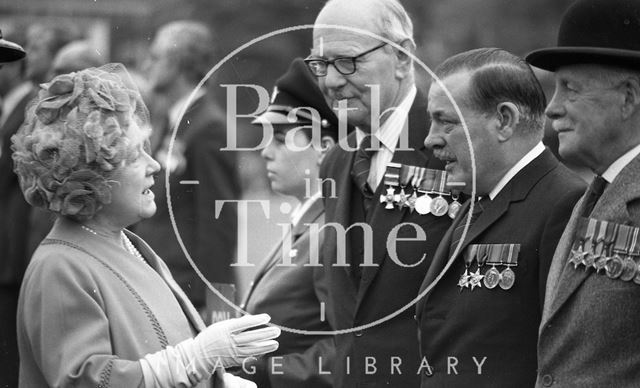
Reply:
x=386, y=245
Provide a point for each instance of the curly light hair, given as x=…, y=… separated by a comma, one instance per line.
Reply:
x=76, y=134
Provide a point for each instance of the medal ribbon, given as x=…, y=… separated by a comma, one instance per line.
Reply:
x=474, y=250
x=610, y=235
x=623, y=239
x=428, y=182
x=591, y=232
x=633, y=247
x=418, y=177
x=392, y=175
x=406, y=174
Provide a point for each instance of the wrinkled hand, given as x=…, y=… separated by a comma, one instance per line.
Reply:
x=229, y=342
x=231, y=381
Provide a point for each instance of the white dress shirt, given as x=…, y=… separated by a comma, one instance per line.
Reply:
x=388, y=135
x=612, y=172
x=522, y=163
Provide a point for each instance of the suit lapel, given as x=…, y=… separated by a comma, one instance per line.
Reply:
x=344, y=186
x=612, y=206
x=441, y=256
x=383, y=220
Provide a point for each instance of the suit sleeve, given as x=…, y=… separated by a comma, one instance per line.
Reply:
x=67, y=330
x=215, y=239
x=311, y=368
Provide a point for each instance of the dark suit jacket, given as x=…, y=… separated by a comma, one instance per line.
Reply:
x=14, y=210
x=211, y=242
x=590, y=336
x=531, y=210
x=387, y=288
x=292, y=296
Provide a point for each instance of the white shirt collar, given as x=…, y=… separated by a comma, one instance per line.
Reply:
x=522, y=163
x=612, y=172
x=176, y=108
x=389, y=132
x=302, y=208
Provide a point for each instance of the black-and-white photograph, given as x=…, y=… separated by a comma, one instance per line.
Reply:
x=319, y=193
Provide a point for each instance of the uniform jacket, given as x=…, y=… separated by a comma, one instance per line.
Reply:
x=292, y=296
x=89, y=310
x=211, y=242
x=501, y=325
x=384, y=289
x=590, y=336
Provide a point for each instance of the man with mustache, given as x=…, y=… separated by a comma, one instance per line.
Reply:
x=589, y=334
x=374, y=247
x=479, y=322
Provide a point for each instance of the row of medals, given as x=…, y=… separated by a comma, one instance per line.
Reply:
x=425, y=203
x=621, y=264
x=493, y=277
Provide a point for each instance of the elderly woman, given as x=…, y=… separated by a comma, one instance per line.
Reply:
x=98, y=308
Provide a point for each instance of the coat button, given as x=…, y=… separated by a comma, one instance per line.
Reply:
x=547, y=380
x=359, y=333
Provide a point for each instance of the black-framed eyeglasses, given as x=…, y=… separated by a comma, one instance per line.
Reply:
x=344, y=65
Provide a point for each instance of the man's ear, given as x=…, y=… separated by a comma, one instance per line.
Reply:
x=403, y=67
x=631, y=90
x=327, y=142
x=508, y=117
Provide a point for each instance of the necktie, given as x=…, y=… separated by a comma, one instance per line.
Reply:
x=361, y=166
x=596, y=188
x=457, y=232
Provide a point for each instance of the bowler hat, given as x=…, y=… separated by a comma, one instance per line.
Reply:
x=297, y=90
x=595, y=31
x=10, y=51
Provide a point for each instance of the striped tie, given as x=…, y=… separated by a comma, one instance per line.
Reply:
x=361, y=165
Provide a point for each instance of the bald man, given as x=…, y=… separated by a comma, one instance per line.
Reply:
x=375, y=268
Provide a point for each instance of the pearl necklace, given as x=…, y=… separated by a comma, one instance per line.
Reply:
x=131, y=249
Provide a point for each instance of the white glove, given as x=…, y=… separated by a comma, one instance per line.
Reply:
x=229, y=342
x=231, y=381
x=221, y=345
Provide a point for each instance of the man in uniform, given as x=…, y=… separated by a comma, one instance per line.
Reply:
x=479, y=322
x=375, y=251
x=589, y=334
x=292, y=293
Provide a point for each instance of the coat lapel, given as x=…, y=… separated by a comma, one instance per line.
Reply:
x=612, y=206
x=155, y=262
x=383, y=220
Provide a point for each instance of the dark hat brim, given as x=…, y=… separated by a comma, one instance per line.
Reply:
x=10, y=51
x=555, y=57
